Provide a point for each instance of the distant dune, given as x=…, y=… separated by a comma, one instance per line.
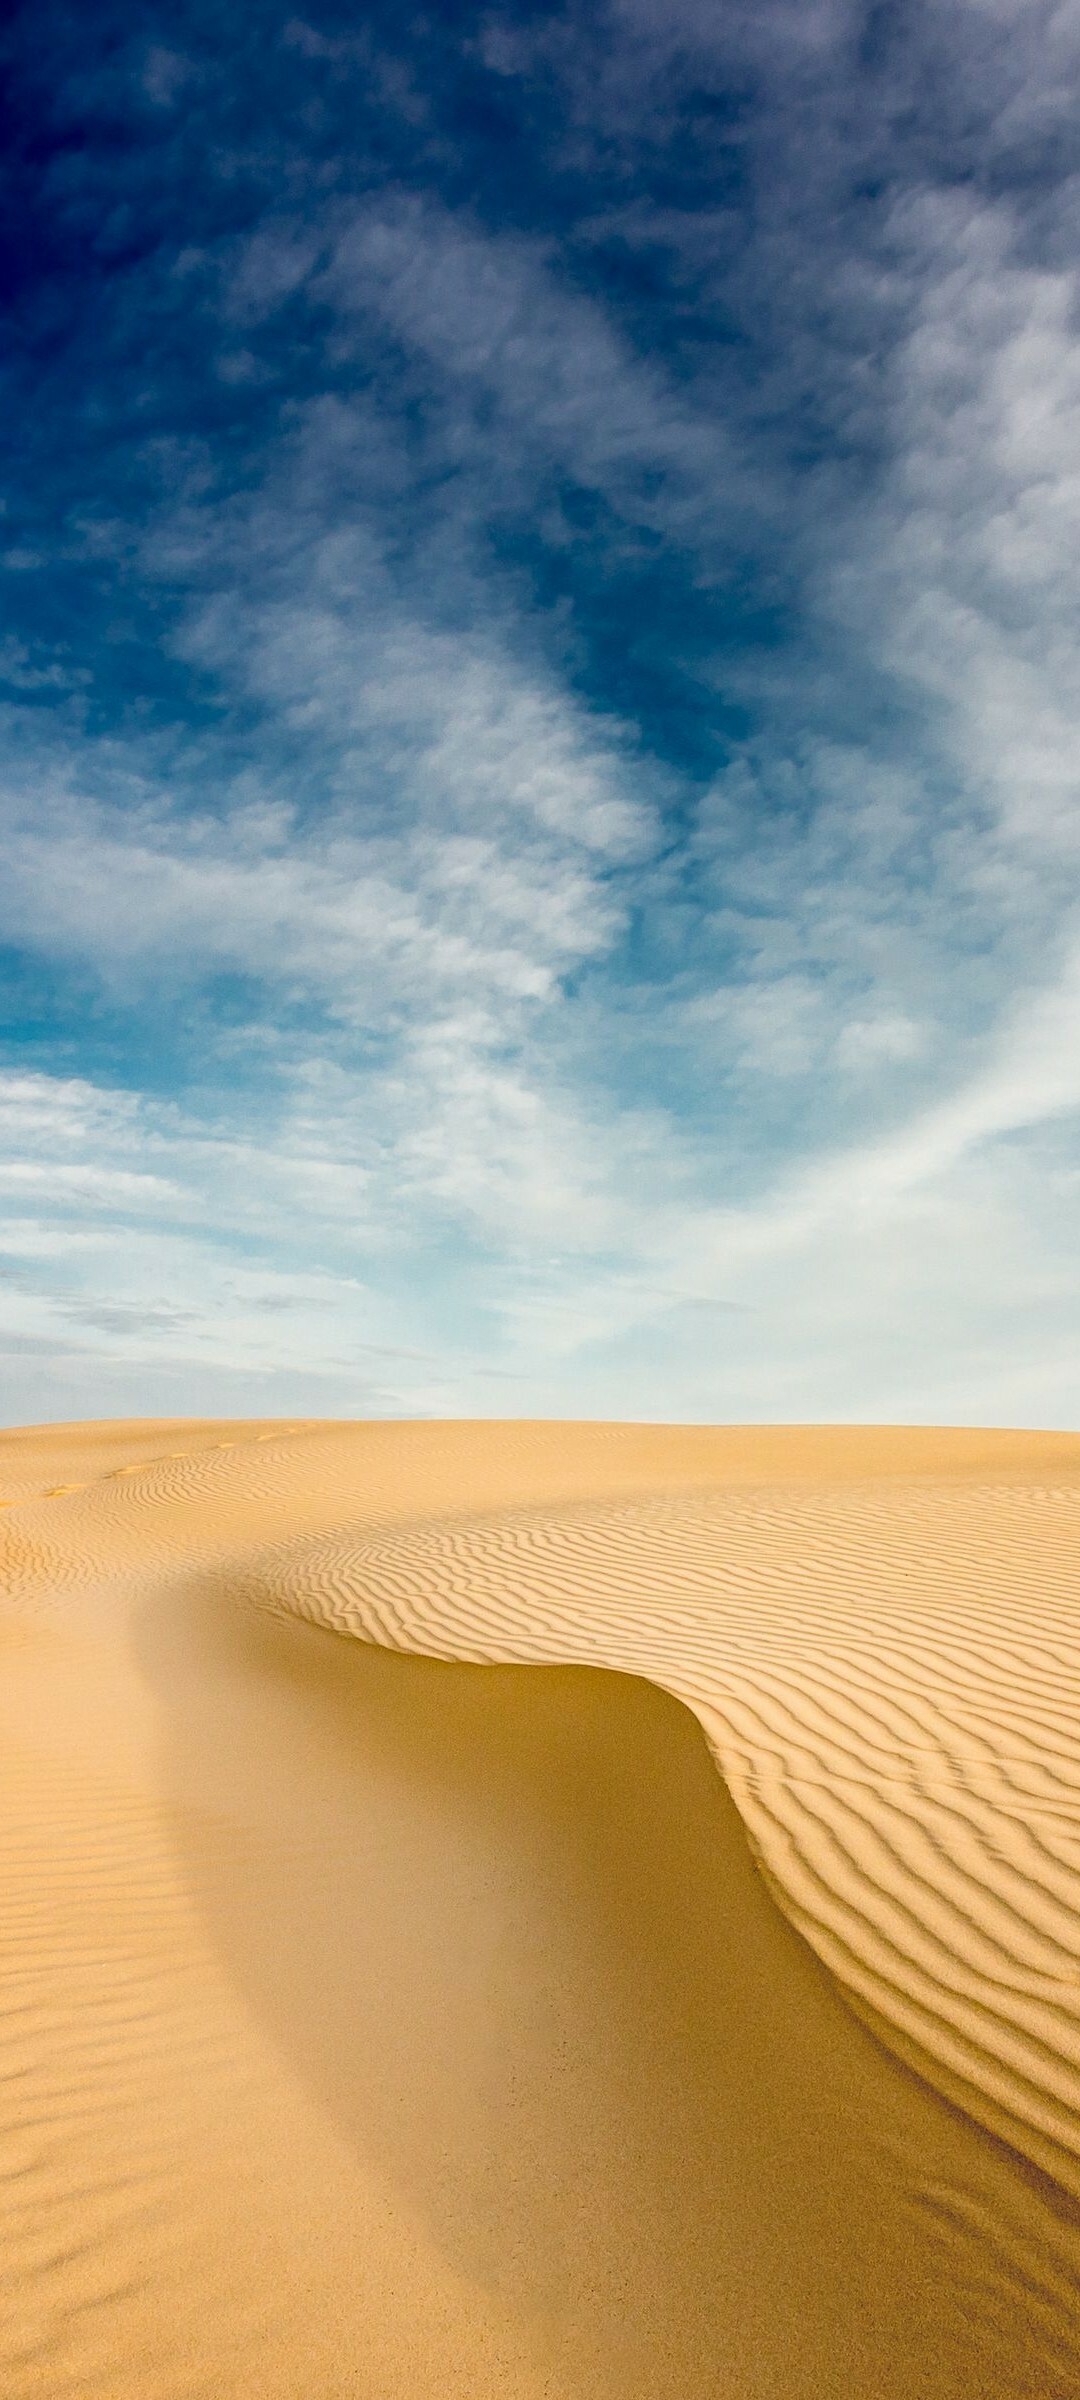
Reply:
x=383, y=2018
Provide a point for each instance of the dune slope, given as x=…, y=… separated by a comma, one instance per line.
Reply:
x=379, y=2025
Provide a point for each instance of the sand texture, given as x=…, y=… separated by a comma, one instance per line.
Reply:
x=384, y=2017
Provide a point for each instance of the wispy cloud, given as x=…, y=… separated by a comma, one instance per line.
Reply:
x=538, y=776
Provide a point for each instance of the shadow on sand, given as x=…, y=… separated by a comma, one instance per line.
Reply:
x=504, y=1923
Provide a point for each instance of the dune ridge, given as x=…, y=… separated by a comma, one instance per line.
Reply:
x=890, y=1683
x=877, y=1631
x=887, y=1670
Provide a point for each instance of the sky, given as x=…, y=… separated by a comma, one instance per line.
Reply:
x=540, y=710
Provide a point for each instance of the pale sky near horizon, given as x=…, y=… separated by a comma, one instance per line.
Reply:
x=540, y=711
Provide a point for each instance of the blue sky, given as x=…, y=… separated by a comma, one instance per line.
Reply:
x=540, y=711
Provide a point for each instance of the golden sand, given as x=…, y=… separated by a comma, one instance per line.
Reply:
x=381, y=2024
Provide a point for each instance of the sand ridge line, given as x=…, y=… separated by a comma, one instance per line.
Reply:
x=251, y=1898
x=815, y=1635
x=56, y=1442
x=900, y=1888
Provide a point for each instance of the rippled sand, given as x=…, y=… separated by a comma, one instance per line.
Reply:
x=377, y=2023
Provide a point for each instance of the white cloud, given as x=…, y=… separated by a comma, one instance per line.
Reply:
x=465, y=854
x=867, y=1044
x=503, y=329
x=962, y=576
x=927, y=1272
x=164, y=75
x=773, y=1120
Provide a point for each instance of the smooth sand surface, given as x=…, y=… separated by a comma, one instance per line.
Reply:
x=379, y=2023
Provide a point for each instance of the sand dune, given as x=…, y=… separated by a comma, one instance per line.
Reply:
x=384, y=2017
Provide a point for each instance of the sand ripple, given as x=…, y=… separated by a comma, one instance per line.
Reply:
x=358, y=2010
x=889, y=1678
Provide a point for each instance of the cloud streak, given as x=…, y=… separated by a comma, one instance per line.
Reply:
x=537, y=767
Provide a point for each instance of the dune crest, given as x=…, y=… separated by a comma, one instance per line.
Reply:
x=877, y=1631
x=889, y=1679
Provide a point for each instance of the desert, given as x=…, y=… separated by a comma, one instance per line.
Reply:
x=539, y=1179
x=517, y=1909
